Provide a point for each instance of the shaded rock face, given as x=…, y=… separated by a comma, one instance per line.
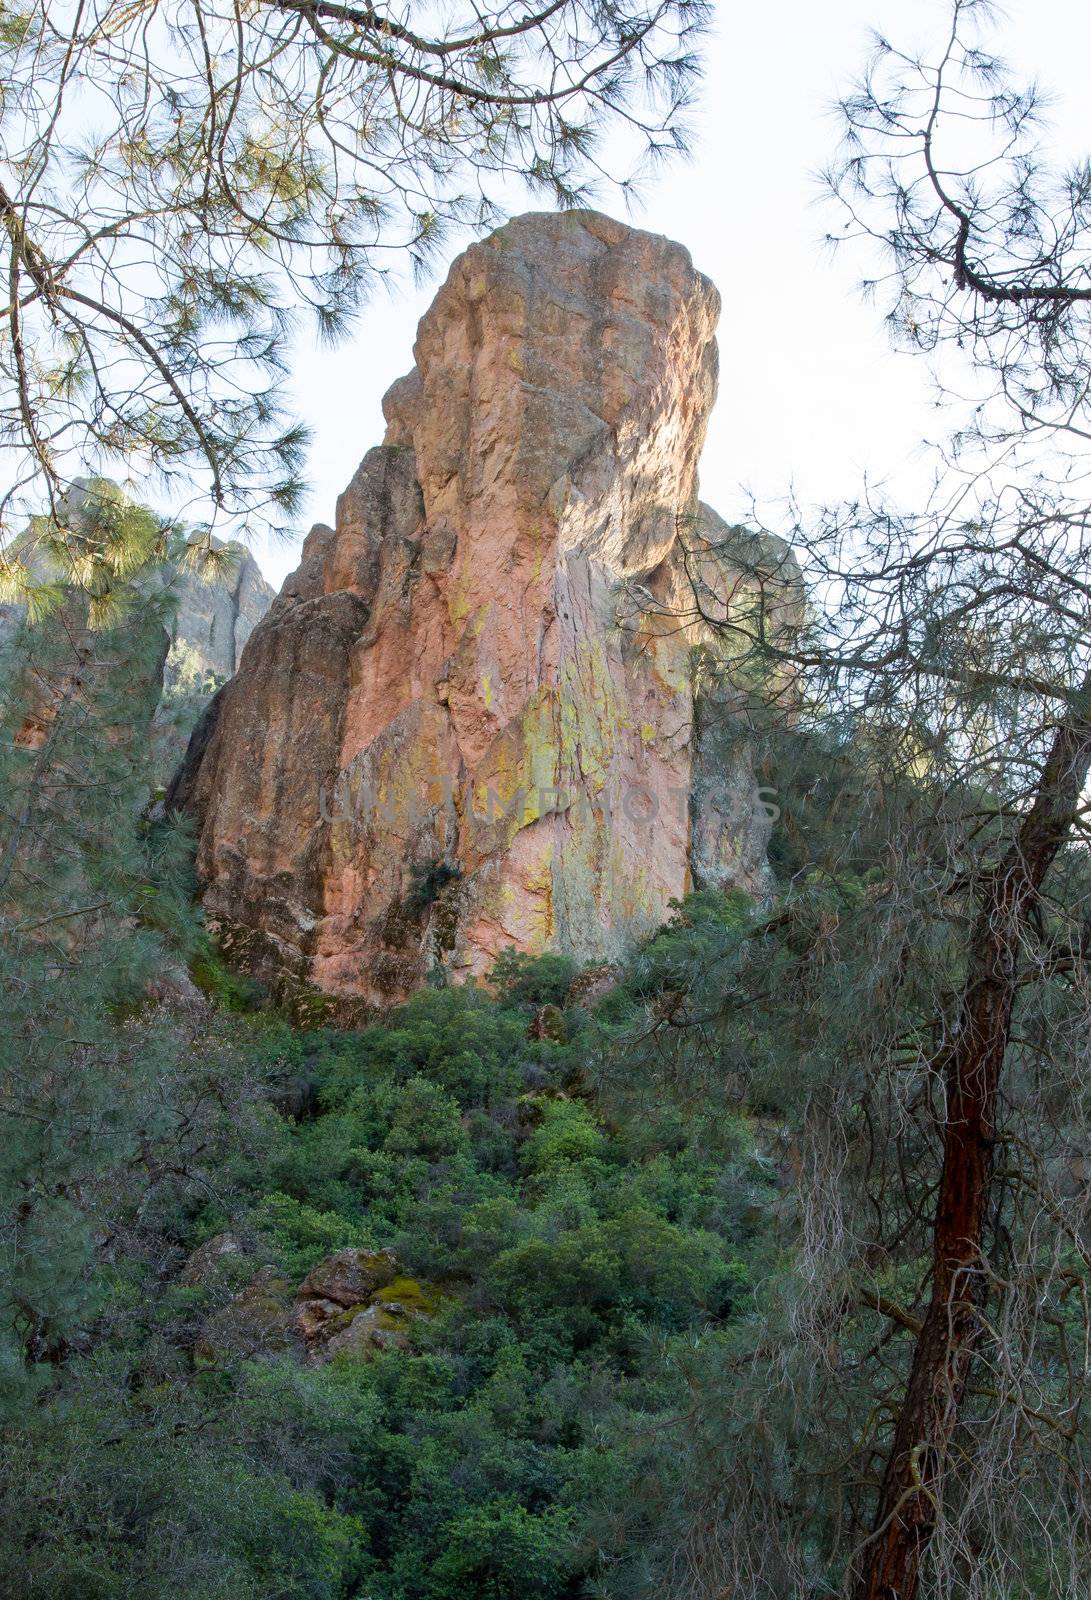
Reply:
x=215, y=617
x=210, y=619
x=468, y=721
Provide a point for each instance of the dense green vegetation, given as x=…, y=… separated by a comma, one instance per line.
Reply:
x=164, y=1432
x=664, y=1238
x=154, y=1455
x=661, y=1240
x=759, y=1271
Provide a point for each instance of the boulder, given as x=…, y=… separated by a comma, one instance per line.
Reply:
x=255, y=1322
x=353, y=1303
x=349, y=1276
x=356, y=1302
x=202, y=1264
x=343, y=1282
x=373, y=1328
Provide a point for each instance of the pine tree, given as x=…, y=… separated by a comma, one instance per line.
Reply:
x=908, y=1417
x=90, y=902
x=188, y=177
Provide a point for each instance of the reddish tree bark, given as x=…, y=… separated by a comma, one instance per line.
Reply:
x=913, y=1481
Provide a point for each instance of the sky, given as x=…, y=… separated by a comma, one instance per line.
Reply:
x=812, y=397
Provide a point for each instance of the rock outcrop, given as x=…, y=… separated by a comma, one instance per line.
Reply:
x=215, y=616
x=470, y=718
x=353, y=1304
x=357, y=1302
x=209, y=620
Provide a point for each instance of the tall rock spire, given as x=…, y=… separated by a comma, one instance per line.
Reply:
x=467, y=722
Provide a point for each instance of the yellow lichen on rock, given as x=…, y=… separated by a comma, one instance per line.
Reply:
x=493, y=646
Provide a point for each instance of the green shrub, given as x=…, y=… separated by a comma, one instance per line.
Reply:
x=567, y=1133
x=560, y=1242
x=525, y=980
x=299, y=1235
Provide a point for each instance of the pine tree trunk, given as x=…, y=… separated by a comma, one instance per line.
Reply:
x=913, y=1481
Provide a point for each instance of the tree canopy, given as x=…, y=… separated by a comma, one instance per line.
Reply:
x=184, y=179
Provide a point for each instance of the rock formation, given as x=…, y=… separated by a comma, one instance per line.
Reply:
x=355, y=1303
x=468, y=721
x=215, y=616
x=210, y=619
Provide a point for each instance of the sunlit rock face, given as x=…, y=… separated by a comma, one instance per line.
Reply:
x=468, y=720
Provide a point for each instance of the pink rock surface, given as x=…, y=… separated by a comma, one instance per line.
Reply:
x=468, y=721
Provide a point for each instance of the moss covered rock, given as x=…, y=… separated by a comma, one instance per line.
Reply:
x=349, y=1277
x=386, y=1303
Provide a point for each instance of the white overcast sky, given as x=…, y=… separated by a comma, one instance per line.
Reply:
x=811, y=394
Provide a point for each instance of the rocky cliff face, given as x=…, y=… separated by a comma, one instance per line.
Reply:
x=213, y=616
x=468, y=721
x=212, y=619
x=216, y=616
